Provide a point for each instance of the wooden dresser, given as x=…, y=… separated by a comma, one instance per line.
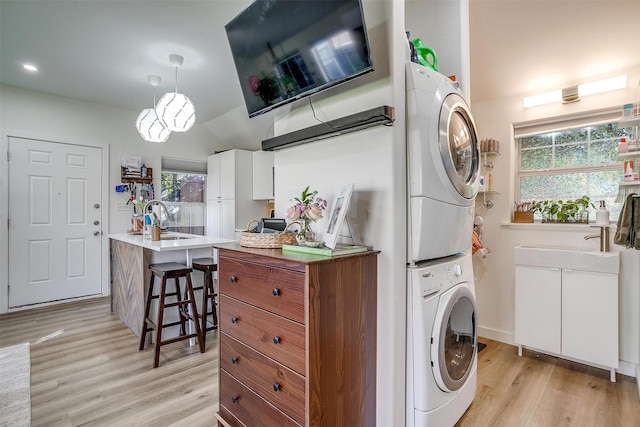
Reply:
x=297, y=338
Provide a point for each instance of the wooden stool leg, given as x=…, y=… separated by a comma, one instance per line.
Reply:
x=212, y=294
x=143, y=332
x=182, y=309
x=195, y=313
x=205, y=310
x=163, y=291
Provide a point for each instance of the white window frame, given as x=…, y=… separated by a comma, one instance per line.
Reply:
x=558, y=124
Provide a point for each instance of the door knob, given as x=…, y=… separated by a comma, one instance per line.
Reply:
x=96, y=222
x=96, y=206
x=96, y=233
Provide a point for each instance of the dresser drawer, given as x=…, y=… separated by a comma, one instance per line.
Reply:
x=278, y=338
x=273, y=289
x=272, y=381
x=247, y=407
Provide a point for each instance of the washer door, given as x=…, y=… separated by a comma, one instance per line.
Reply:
x=458, y=143
x=453, y=343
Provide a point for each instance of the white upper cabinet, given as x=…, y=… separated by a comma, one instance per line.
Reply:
x=263, y=175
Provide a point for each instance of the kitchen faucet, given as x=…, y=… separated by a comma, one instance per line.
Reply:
x=603, y=236
x=155, y=202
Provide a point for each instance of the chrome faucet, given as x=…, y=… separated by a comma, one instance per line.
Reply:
x=603, y=236
x=155, y=202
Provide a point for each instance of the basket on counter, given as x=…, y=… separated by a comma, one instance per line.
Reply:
x=267, y=240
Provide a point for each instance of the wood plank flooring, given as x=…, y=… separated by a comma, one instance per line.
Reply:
x=87, y=371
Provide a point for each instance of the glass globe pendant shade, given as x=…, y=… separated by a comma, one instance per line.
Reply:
x=176, y=112
x=150, y=127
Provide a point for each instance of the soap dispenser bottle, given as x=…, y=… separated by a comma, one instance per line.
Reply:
x=602, y=215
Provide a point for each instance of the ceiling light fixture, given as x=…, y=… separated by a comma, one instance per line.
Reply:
x=30, y=67
x=149, y=126
x=574, y=93
x=175, y=110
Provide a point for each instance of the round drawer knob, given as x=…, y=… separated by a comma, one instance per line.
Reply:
x=275, y=291
x=234, y=399
x=276, y=340
x=233, y=279
x=234, y=320
x=234, y=360
x=276, y=387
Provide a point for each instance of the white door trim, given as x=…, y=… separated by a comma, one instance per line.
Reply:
x=4, y=212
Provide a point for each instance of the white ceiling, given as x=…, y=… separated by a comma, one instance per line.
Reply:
x=102, y=50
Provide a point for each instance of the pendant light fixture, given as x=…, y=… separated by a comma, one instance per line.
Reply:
x=149, y=126
x=175, y=110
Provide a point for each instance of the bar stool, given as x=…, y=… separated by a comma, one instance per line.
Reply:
x=170, y=270
x=207, y=266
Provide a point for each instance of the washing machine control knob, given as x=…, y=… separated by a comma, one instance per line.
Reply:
x=457, y=270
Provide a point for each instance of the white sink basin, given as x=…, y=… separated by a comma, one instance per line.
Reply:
x=577, y=259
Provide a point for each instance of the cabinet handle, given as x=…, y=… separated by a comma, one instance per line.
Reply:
x=234, y=399
x=275, y=291
x=276, y=340
x=276, y=387
x=234, y=360
x=234, y=320
x=233, y=279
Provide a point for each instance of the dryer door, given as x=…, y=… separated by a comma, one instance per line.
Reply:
x=458, y=142
x=453, y=344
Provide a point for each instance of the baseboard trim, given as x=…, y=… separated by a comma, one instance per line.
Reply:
x=493, y=334
x=638, y=380
x=624, y=368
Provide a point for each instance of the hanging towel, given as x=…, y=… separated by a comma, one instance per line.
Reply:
x=625, y=224
x=634, y=232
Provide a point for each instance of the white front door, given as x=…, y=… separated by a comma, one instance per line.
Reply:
x=55, y=221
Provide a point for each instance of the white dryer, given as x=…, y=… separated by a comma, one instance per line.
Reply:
x=443, y=165
x=441, y=341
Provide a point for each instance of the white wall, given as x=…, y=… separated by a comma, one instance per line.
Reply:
x=374, y=160
x=53, y=118
x=495, y=273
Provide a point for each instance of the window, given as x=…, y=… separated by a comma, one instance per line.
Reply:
x=183, y=193
x=569, y=161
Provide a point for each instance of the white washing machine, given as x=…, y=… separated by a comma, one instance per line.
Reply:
x=443, y=163
x=441, y=341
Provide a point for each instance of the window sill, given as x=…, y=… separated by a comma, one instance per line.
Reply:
x=539, y=226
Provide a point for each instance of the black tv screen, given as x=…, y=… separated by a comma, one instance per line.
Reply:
x=288, y=49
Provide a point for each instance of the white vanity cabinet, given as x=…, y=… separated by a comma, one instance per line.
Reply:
x=568, y=312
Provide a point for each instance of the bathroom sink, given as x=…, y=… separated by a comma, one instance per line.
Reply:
x=578, y=259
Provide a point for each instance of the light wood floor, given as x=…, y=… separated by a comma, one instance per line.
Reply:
x=86, y=370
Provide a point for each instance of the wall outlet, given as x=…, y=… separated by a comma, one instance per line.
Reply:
x=122, y=206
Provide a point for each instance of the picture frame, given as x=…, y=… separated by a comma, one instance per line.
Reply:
x=337, y=216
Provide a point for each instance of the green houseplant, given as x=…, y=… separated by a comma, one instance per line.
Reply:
x=565, y=211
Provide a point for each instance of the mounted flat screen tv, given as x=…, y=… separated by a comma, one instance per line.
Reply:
x=285, y=50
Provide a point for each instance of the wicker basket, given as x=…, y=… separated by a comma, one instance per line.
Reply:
x=267, y=240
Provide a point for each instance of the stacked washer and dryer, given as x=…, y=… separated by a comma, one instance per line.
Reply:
x=443, y=164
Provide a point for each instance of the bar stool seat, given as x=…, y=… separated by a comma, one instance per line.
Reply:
x=170, y=270
x=207, y=266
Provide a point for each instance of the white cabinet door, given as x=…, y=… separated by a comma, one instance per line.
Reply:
x=590, y=316
x=263, y=175
x=538, y=316
x=228, y=218
x=227, y=174
x=214, y=218
x=213, y=177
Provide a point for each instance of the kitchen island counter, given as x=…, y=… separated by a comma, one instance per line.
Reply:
x=169, y=241
x=130, y=256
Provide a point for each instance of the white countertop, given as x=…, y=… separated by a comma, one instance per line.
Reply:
x=188, y=241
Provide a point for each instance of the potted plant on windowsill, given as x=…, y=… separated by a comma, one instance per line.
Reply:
x=565, y=211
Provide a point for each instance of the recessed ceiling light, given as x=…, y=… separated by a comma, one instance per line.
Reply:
x=30, y=67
